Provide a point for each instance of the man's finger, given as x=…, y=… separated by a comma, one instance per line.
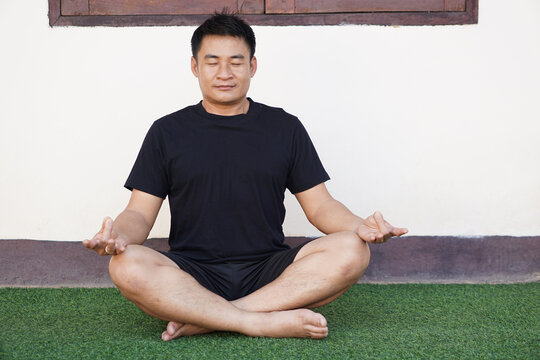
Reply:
x=103, y=237
x=107, y=229
x=89, y=243
x=94, y=242
x=120, y=246
x=101, y=242
x=110, y=247
x=380, y=222
x=103, y=224
x=400, y=231
x=111, y=244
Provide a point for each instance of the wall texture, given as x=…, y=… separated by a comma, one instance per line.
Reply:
x=437, y=127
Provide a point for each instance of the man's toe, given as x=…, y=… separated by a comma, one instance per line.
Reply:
x=172, y=327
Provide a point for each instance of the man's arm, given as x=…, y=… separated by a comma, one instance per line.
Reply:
x=330, y=216
x=132, y=226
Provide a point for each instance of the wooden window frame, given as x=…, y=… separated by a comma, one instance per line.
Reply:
x=469, y=16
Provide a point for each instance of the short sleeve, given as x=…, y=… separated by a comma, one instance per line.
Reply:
x=306, y=169
x=149, y=172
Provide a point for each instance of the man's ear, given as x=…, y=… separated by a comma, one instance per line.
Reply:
x=253, y=66
x=194, y=68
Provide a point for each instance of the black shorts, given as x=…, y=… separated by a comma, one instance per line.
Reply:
x=235, y=280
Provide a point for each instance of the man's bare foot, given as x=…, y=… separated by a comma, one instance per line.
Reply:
x=301, y=323
x=292, y=323
x=175, y=330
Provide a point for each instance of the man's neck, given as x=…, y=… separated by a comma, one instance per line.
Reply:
x=241, y=107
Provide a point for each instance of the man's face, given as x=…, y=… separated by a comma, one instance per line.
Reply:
x=224, y=69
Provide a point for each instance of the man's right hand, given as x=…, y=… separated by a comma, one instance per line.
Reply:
x=106, y=241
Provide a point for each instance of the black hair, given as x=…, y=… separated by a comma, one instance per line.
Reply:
x=223, y=24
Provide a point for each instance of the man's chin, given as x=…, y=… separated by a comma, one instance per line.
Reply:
x=227, y=100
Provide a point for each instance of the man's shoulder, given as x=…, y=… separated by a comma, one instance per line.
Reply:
x=277, y=114
x=175, y=117
x=272, y=109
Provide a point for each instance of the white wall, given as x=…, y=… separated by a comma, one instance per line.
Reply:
x=437, y=127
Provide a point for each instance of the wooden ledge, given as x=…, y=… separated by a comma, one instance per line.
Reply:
x=417, y=259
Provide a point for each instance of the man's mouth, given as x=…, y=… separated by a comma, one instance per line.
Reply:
x=224, y=87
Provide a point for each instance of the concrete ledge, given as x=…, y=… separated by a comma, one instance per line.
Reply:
x=425, y=259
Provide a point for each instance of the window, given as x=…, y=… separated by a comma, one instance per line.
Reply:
x=263, y=12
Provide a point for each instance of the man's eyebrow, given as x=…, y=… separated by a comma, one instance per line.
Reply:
x=212, y=56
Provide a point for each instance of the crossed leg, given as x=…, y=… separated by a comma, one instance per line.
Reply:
x=321, y=271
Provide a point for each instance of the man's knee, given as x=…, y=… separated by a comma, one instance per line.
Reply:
x=354, y=255
x=126, y=269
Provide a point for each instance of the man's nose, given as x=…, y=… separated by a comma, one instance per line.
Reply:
x=224, y=71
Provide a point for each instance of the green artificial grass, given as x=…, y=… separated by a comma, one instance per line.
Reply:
x=409, y=321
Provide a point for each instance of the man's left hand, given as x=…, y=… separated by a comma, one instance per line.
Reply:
x=375, y=229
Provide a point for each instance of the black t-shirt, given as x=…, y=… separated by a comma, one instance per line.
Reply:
x=226, y=178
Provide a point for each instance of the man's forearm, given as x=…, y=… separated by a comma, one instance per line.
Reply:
x=332, y=216
x=132, y=227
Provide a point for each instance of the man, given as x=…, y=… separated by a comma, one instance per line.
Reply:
x=225, y=164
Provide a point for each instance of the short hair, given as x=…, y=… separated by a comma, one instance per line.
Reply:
x=223, y=24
